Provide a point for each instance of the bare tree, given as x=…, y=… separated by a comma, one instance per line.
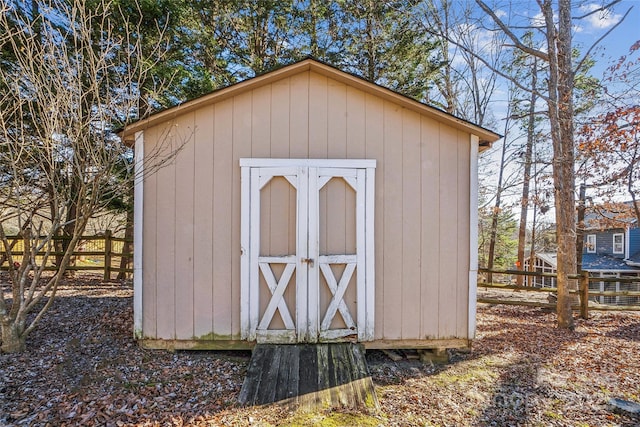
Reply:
x=610, y=142
x=463, y=86
x=556, y=27
x=66, y=82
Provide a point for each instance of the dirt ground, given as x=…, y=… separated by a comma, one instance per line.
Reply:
x=82, y=367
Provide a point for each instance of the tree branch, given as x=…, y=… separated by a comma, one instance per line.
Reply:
x=586, y=55
x=600, y=9
x=515, y=39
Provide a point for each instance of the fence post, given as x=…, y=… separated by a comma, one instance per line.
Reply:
x=107, y=255
x=584, y=294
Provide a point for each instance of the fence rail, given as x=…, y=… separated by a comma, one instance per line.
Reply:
x=103, y=252
x=583, y=291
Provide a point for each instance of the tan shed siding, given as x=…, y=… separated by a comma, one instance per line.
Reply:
x=336, y=120
x=280, y=118
x=411, y=225
x=430, y=203
x=392, y=222
x=261, y=115
x=165, y=243
x=357, y=130
x=184, y=226
x=241, y=143
x=462, y=303
x=374, y=138
x=448, y=232
x=224, y=236
x=299, y=133
x=203, y=217
x=149, y=236
x=192, y=207
x=318, y=138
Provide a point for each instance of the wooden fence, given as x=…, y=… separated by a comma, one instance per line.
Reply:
x=104, y=253
x=583, y=291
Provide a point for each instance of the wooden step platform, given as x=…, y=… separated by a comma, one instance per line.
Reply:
x=309, y=376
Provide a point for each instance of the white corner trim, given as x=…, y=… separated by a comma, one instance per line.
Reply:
x=473, y=234
x=138, y=203
x=627, y=241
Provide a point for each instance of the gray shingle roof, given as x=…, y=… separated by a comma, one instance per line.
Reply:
x=601, y=262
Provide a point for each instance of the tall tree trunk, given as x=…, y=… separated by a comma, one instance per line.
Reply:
x=532, y=250
x=493, y=234
x=580, y=228
x=561, y=118
x=313, y=35
x=371, y=46
x=524, y=204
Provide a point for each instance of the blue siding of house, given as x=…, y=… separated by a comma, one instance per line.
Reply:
x=604, y=242
x=634, y=241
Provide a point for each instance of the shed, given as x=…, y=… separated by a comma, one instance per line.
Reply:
x=305, y=205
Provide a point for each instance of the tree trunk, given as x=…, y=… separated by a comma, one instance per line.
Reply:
x=371, y=46
x=532, y=246
x=493, y=236
x=127, y=247
x=524, y=206
x=13, y=340
x=580, y=228
x=560, y=104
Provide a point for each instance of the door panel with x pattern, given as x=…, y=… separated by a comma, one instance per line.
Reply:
x=329, y=281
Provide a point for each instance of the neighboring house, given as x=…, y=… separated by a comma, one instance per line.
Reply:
x=544, y=263
x=611, y=253
x=607, y=253
x=306, y=205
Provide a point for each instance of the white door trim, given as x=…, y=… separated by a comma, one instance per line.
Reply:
x=308, y=176
x=317, y=163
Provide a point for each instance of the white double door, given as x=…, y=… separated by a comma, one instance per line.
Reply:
x=308, y=254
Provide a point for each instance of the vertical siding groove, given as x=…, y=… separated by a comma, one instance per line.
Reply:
x=224, y=266
x=193, y=240
x=193, y=223
x=308, y=115
x=173, y=259
x=440, y=255
x=214, y=126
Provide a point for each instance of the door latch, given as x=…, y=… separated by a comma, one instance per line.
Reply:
x=307, y=261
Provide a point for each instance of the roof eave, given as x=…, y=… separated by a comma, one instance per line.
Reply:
x=486, y=137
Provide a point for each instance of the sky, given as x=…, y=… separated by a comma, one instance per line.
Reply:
x=618, y=42
x=585, y=33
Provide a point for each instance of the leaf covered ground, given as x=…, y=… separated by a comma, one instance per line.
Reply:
x=82, y=367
